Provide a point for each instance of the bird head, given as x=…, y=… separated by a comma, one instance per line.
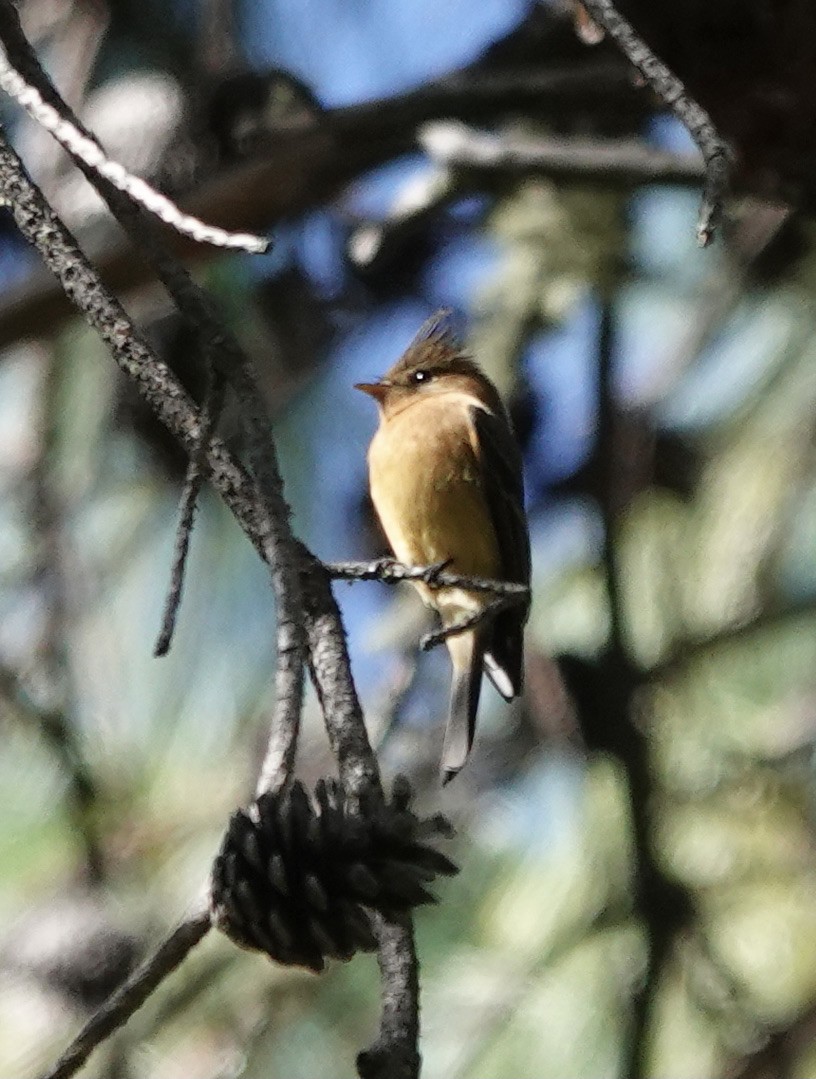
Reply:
x=432, y=364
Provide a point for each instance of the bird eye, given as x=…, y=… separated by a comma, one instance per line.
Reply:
x=420, y=376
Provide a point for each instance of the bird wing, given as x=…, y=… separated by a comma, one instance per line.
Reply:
x=501, y=474
x=500, y=466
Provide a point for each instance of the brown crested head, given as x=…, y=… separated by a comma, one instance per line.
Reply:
x=433, y=363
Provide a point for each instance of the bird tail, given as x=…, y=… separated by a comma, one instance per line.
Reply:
x=504, y=655
x=467, y=653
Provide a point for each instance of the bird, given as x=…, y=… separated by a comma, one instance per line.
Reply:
x=445, y=475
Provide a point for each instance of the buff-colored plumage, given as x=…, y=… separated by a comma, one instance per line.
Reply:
x=445, y=476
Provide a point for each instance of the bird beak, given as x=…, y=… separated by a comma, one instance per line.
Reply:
x=377, y=390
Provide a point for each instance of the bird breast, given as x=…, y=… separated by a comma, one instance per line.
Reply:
x=426, y=487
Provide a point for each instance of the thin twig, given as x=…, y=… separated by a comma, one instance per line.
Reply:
x=390, y=572
x=699, y=124
x=213, y=406
x=462, y=625
x=130, y=996
x=153, y=379
x=221, y=350
x=164, y=395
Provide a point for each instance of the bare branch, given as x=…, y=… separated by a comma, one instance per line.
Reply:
x=394, y=1055
x=261, y=510
x=155, y=382
x=131, y=995
x=91, y=153
x=699, y=124
x=390, y=572
x=213, y=406
x=462, y=625
x=331, y=673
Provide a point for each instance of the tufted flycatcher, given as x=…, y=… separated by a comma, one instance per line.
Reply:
x=445, y=474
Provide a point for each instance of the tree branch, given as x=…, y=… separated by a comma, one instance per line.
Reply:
x=85, y=148
x=394, y=1055
x=329, y=657
x=390, y=572
x=213, y=406
x=462, y=625
x=665, y=83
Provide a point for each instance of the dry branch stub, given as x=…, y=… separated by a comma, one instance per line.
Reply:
x=298, y=877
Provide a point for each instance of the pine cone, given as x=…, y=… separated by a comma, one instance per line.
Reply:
x=298, y=879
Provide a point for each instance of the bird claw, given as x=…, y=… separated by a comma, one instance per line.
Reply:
x=431, y=575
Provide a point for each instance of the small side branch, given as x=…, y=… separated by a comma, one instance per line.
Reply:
x=130, y=996
x=394, y=1055
x=506, y=594
x=485, y=614
x=390, y=572
x=189, y=500
x=699, y=124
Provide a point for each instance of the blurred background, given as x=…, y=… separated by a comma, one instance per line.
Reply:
x=637, y=835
